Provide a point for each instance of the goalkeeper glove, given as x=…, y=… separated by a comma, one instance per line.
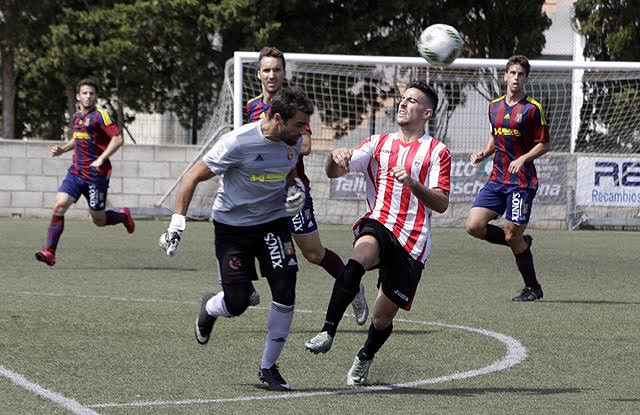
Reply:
x=296, y=196
x=170, y=239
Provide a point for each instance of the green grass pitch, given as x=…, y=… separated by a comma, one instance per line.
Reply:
x=110, y=329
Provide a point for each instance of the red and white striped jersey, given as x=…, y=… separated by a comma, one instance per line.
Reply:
x=427, y=160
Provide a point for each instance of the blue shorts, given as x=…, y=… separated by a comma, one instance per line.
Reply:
x=94, y=191
x=509, y=200
x=305, y=221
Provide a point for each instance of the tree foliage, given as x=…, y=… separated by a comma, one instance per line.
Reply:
x=156, y=56
x=611, y=29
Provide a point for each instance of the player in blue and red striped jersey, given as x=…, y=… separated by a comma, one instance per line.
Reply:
x=95, y=138
x=303, y=226
x=519, y=135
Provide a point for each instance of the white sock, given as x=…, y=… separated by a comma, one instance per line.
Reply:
x=279, y=325
x=216, y=307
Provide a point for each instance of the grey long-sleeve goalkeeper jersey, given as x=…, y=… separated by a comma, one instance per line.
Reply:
x=254, y=174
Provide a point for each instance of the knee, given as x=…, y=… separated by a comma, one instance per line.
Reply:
x=475, y=229
x=512, y=238
x=314, y=256
x=236, y=305
x=380, y=322
x=284, y=295
x=99, y=221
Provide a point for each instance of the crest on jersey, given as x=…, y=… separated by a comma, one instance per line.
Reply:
x=290, y=153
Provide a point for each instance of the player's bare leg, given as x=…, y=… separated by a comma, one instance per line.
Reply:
x=478, y=225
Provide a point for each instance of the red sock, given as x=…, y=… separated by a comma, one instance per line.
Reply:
x=332, y=263
x=114, y=218
x=53, y=232
x=524, y=261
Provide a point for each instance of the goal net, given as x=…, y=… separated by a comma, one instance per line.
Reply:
x=591, y=176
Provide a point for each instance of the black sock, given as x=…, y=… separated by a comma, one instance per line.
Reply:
x=344, y=291
x=524, y=261
x=374, y=342
x=495, y=235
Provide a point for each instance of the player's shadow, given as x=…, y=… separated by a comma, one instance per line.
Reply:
x=482, y=391
x=461, y=392
x=133, y=268
x=605, y=302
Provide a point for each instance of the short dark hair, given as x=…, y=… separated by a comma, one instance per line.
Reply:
x=271, y=52
x=86, y=81
x=431, y=94
x=518, y=60
x=288, y=101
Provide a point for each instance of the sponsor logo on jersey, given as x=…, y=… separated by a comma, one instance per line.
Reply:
x=507, y=131
x=268, y=177
x=519, y=117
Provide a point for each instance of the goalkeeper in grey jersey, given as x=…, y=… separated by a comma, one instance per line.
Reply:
x=250, y=214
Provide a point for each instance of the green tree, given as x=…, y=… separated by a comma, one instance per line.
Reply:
x=611, y=30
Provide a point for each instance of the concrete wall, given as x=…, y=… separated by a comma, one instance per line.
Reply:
x=29, y=179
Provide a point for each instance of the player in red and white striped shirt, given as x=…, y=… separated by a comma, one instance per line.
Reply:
x=407, y=177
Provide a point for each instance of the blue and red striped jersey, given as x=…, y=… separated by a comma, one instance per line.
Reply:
x=92, y=131
x=256, y=109
x=516, y=130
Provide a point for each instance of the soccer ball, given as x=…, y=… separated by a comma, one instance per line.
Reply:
x=440, y=44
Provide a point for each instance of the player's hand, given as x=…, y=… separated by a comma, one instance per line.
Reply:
x=294, y=201
x=476, y=158
x=342, y=157
x=401, y=175
x=516, y=165
x=170, y=239
x=56, y=151
x=96, y=164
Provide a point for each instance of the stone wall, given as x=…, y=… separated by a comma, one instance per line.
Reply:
x=29, y=179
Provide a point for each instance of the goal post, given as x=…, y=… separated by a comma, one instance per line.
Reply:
x=591, y=175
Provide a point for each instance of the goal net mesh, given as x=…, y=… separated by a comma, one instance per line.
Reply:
x=589, y=110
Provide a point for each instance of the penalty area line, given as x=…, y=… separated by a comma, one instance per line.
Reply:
x=70, y=404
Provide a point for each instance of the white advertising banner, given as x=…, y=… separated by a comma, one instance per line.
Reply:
x=608, y=181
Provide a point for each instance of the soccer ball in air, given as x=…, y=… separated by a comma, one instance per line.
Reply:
x=440, y=44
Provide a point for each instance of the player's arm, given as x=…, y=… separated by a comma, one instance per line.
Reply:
x=537, y=151
x=305, y=150
x=170, y=239
x=434, y=198
x=58, y=150
x=114, y=144
x=337, y=163
x=489, y=149
x=199, y=172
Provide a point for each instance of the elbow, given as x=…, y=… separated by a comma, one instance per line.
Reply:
x=442, y=207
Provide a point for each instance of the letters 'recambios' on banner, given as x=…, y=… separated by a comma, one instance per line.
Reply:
x=608, y=181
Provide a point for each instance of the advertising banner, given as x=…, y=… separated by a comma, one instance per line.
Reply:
x=608, y=181
x=467, y=180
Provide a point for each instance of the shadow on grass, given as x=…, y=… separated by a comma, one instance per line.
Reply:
x=129, y=268
x=605, y=302
x=394, y=390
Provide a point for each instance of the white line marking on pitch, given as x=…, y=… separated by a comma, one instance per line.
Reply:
x=68, y=403
x=516, y=353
